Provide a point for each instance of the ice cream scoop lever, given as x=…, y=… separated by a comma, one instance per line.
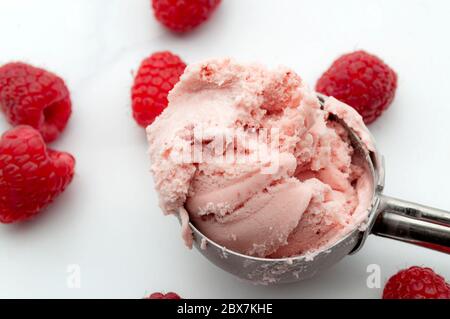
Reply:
x=413, y=223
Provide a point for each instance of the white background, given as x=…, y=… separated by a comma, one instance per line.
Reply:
x=108, y=221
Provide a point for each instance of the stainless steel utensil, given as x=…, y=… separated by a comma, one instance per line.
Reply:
x=388, y=217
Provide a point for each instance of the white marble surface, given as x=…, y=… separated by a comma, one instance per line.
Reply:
x=108, y=221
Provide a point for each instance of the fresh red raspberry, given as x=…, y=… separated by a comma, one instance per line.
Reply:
x=183, y=15
x=31, y=175
x=361, y=80
x=156, y=76
x=159, y=295
x=36, y=97
x=416, y=283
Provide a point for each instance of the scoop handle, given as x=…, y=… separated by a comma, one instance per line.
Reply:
x=413, y=223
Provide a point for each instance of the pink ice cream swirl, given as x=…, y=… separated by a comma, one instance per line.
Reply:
x=305, y=193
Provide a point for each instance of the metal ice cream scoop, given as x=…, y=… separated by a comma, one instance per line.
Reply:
x=388, y=217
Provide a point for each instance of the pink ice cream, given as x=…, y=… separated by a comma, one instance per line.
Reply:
x=301, y=194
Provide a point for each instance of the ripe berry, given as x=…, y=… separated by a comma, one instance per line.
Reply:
x=35, y=97
x=183, y=15
x=361, y=80
x=159, y=295
x=416, y=283
x=156, y=76
x=31, y=175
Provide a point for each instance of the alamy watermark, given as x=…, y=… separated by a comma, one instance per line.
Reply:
x=73, y=279
x=228, y=146
x=373, y=280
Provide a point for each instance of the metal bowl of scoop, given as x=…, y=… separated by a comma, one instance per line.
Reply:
x=388, y=217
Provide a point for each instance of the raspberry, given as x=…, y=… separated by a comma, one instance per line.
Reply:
x=31, y=175
x=157, y=75
x=36, y=97
x=416, y=283
x=169, y=295
x=361, y=80
x=183, y=15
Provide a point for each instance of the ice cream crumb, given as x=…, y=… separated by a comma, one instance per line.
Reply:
x=310, y=255
x=220, y=209
x=203, y=244
x=186, y=232
x=224, y=253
